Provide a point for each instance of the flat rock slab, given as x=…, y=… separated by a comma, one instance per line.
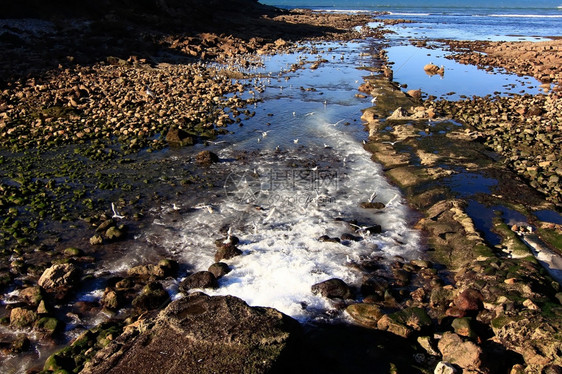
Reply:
x=201, y=334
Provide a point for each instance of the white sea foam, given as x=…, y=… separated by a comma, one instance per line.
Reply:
x=279, y=229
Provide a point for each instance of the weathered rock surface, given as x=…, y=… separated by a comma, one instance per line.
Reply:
x=500, y=288
x=226, y=251
x=332, y=288
x=465, y=354
x=200, y=279
x=210, y=334
x=178, y=137
x=538, y=59
x=364, y=314
x=60, y=275
x=21, y=317
x=219, y=269
x=206, y=158
x=152, y=296
x=445, y=368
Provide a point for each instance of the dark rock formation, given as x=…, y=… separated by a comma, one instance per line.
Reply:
x=201, y=279
x=219, y=334
x=219, y=269
x=206, y=158
x=178, y=137
x=226, y=251
x=332, y=288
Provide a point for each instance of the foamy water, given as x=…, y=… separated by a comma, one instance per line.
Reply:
x=307, y=175
x=279, y=228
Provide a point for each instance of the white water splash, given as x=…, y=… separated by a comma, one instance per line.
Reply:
x=279, y=228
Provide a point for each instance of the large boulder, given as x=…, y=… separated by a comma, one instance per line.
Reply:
x=219, y=334
x=178, y=137
x=200, y=279
x=60, y=275
x=333, y=289
x=21, y=317
x=465, y=354
x=365, y=314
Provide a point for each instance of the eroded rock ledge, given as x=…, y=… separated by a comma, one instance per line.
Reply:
x=495, y=308
x=201, y=334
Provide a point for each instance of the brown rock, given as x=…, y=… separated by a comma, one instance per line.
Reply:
x=387, y=323
x=226, y=251
x=31, y=295
x=178, y=137
x=332, y=289
x=206, y=158
x=219, y=269
x=111, y=299
x=469, y=300
x=152, y=296
x=365, y=314
x=463, y=327
x=147, y=271
x=201, y=334
x=416, y=94
x=467, y=355
x=60, y=275
x=21, y=317
x=201, y=279
x=372, y=205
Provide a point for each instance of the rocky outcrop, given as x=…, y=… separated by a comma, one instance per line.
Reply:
x=465, y=354
x=332, y=289
x=497, y=299
x=206, y=158
x=210, y=334
x=60, y=275
x=525, y=130
x=200, y=279
x=538, y=59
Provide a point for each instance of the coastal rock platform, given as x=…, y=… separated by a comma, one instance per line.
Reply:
x=200, y=334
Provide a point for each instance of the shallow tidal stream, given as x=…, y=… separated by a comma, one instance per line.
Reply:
x=304, y=174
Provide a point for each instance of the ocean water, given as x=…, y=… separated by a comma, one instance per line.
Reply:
x=474, y=20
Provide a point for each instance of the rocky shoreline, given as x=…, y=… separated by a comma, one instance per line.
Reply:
x=473, y=307
x=495, y=291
